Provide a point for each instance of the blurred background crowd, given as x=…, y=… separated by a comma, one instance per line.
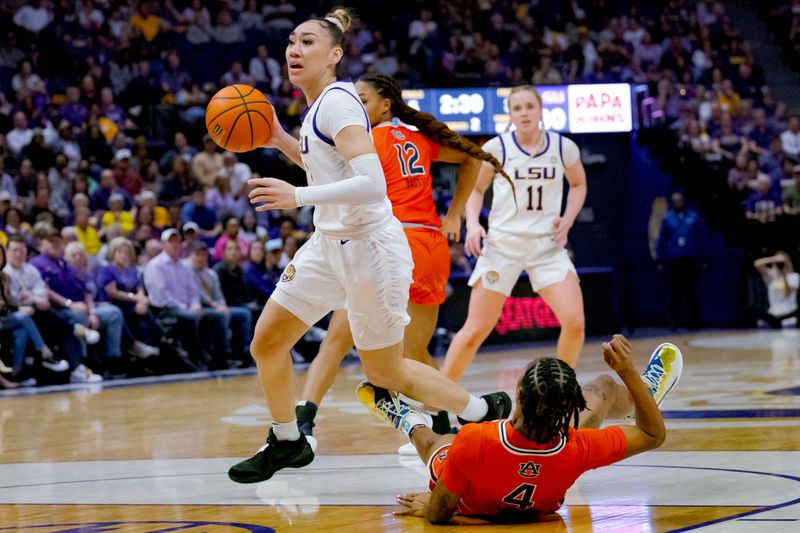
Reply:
x=130, y=246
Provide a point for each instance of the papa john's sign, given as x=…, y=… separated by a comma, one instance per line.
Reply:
x=599, y=108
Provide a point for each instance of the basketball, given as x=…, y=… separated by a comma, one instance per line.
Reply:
x=239, y=118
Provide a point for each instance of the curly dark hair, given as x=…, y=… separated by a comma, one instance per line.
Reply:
x=550, y=398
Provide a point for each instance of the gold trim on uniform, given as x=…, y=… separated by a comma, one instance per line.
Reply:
x=288, y=274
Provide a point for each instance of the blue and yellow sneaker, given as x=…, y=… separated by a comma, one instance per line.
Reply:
x=663, y=370
x=387, y=406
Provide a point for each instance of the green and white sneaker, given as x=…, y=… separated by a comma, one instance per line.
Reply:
x=387, y=406
x=663, y=370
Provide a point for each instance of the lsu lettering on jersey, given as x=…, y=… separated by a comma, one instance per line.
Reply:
x=337, y=107
x=406, y=157
x=539, y=181
x=498, y=472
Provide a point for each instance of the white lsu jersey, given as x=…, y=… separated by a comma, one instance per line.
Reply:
x=539, y=182
x=337, y=107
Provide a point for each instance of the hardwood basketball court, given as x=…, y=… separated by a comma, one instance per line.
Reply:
x=136, y=457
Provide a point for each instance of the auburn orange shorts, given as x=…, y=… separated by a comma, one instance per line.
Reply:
x=431, y=255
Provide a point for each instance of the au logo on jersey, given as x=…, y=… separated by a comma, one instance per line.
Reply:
x=529, y=469
x=398, y=135
x=492, y=277
x=217, y=130
x=288, y=274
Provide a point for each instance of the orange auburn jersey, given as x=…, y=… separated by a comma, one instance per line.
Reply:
x=498, y=472
x=406, y=157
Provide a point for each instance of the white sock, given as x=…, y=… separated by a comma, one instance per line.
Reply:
x=475, y=410
x=286, y=430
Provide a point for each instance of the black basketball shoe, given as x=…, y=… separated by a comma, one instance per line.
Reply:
x=499, y=407
x=305, y=413
x=276, y=455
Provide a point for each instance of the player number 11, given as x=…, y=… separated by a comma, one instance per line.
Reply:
x=530, y=198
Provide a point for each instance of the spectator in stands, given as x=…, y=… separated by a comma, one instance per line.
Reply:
x=179, y=184
x=7, y=183
x=10, y=53
x=265, y=71
x=209, y=164
x=73, y=110
x=262, y=271
x=40, y=155
x=126, y=178
x=174, y=294
x=87, y=234
x=17, y=319
x=147, y=199
x=26, y=80
x=118, y=283
x=236, y=75
x=742, y=173
x=237, y=319
x=222, y=199
x=249, y=229
x=782, y=285
x=34, y=16
x=764, y=204
x=251, y=18
x=227, y=30
x=190, y=235
x=143, y=89
x=13, y=224
x=546, y=74
x=174, y=77
x=791, y=194
x=180, y=148
x=232, y=233
x=291, y=243
x=199, y=23
x=20, y=136
x=790, y=139
x=94, y=147
x=761, y=134
x=69, y=298
x=40, y=210
x=206, y=219
x=145, y=21
x=679, y=252
x=107, y=187
x=728, y=98
x=232, y=279
x=117, y=214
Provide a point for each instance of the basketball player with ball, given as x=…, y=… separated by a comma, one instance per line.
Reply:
x=358, y=258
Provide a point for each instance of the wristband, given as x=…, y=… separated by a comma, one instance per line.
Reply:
x=298, y=196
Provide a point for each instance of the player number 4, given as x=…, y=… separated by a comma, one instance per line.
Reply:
x=530, y=198
x=521, y=497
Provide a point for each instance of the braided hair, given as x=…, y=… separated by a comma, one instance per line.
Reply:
x=433, y=129
x=550, y=398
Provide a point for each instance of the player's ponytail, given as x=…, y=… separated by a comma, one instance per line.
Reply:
x=435, y=130
x=337, y=22
x=551, y=400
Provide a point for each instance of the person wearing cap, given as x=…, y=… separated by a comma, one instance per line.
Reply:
x=117, y=215
x=175, y=294
x=189, y=231
x=68, y=296
x=262, y=271
x=209, y=164
x=125, y=176
x=237, y=319
x=206, y=219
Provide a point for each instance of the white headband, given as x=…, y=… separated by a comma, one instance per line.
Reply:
x=336, y=22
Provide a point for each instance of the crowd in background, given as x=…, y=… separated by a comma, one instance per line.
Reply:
x=121, y=218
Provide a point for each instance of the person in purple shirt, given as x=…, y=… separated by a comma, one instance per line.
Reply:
x=72, y=300
x=73, y=111
x=118, y=283
x=761, y=134
x=174, y=294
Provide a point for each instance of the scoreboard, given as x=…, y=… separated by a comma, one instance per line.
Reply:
x=591, y=108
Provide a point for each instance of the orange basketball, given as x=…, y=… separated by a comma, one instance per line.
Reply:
x=239, y=118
